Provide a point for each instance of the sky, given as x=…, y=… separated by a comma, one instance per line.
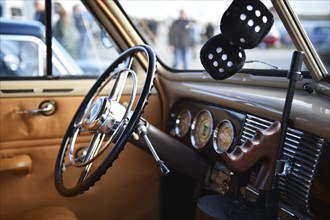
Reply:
x=170, y=8
x=145, y=8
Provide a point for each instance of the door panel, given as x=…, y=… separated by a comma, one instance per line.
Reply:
x=129, y=191
x=35, y=126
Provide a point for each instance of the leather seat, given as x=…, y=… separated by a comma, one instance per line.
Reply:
x=48, y=213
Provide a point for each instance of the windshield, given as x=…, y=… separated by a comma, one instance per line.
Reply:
x=203, y=21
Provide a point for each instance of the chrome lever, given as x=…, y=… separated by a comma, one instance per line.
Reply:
x=143, y=131
x=47, y=108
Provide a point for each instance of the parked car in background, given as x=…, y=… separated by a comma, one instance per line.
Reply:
x=320, y=37
x=272, y=39
x=238, y=132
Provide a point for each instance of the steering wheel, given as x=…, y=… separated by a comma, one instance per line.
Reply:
x=109, y=122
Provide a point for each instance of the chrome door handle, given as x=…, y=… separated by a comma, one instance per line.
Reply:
x=47, y=108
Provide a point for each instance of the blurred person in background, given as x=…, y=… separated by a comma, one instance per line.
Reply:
x=39, y=14
x=64, y=30
x=81, y=22
x=209, y=31
x=181, y=39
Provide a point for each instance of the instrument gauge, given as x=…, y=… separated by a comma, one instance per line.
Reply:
x=201, y=129
x=223, y=136
x=182, y=123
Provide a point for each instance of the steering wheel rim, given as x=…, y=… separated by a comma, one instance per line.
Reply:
x=88, y=181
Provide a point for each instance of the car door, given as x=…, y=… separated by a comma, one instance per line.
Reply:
x=35, y=114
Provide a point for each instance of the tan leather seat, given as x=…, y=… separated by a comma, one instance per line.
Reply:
x=48, y=213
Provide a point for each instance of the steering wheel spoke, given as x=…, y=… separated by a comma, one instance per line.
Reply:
x=129, y=61
x=94, y=147
x=92, y=151
x=119, y=85
x=109, y=122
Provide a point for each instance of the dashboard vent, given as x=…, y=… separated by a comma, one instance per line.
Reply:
x=253, y=123
x=303, y=150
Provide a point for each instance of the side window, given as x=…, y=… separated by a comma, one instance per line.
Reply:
x=80, y=46
x=15, y=58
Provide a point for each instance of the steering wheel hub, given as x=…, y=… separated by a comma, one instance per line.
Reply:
x=104, y=116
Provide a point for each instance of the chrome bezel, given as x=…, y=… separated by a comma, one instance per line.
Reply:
x=193, y=137
x=217, y=147
x=177, y=129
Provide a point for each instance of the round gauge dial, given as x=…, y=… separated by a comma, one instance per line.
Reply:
x=223, y=136
x=201, y=129
x=182, y=123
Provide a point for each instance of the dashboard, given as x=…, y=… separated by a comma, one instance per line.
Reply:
x=212, y=130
